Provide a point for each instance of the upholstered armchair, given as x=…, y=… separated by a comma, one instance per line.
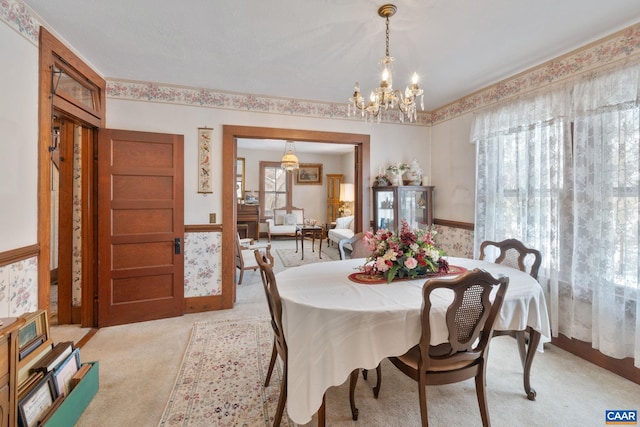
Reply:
x=344, y=229
x=285, y=223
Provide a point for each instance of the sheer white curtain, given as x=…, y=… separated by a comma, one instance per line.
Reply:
x=575, y=199
x=606, y=266
x=523, y=184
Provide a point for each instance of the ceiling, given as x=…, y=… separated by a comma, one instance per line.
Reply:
x=318, y=49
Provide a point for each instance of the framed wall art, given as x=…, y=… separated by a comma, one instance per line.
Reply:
x=309, y=173
x=205, y=140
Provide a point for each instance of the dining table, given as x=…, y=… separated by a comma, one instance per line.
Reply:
x=334, y=325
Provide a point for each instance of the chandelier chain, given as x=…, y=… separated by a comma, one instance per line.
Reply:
x=387, y=39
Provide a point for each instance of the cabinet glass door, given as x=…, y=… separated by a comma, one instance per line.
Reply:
x=413, y=208
x=384, y=206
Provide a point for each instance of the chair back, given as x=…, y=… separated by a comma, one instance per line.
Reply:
x=273, y=299
x=359, y=246
x=239, y=258
x=512, y=253
x=470, y=318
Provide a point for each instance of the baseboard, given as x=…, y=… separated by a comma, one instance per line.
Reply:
x=202, y=304
x=582, y=349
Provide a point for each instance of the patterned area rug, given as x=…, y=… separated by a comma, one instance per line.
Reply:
x=290, y=258
x=221, y=380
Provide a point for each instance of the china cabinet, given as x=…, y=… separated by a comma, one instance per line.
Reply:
x=411, y=203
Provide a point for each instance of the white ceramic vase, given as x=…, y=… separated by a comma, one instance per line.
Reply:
x=396, y=179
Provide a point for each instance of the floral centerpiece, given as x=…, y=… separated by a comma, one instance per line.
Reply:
x=409, y=254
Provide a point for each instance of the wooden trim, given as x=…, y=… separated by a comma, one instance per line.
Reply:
x=198, y=228
x=362, y=177
x=454, y=224
x=19, y=254
x=52, y=51
x=75, y=315
x=85, y=339
x=582, y=349
x=202, y=304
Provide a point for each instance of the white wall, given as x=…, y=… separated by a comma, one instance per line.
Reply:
x=389, y=143
x=19, y=142
x=453, y=169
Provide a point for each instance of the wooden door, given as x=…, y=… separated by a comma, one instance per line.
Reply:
x=141, y=226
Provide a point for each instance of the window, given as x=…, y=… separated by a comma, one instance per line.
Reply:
x=275, y=188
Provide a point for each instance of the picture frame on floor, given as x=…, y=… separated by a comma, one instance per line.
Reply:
x=37, y=403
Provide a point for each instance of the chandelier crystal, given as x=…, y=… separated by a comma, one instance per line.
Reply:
x=289, y=161
x=384, y=97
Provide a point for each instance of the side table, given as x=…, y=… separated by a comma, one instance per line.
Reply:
x=315, y=232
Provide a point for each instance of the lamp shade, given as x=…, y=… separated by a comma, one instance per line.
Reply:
x=346, y=192
x=289, y=160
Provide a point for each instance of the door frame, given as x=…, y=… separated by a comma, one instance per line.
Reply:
x=230, y=134
x=55, y=54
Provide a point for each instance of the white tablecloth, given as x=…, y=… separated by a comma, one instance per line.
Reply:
x=333, y=325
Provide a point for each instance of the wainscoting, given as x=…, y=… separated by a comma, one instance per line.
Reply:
x=19, y=281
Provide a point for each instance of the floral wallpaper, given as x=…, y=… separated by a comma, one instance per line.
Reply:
x=18, y=16
x=202, y=264
x=19, y=287
x=76, y=254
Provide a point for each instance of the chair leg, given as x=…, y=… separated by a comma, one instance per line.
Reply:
x=376, y=389
x=422, y=397
x=240, y=278
x=283, y=397
x=272, y=363
x=353, y=380
x=481, y=394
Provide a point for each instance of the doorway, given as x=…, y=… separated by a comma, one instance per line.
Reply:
x=71, y=139
x=230, y=134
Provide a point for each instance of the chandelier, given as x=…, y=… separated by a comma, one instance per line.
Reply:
x=385, y=97
x=289, y=161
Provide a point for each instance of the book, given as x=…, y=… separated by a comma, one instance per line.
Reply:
x=54, y=358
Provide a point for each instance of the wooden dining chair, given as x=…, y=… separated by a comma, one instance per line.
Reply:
x=469, y=321
x=280, y=343
x=357, y=243
x=245, y=259
x=513, y=253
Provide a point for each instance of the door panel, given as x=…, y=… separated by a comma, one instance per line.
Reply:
x=140, y=218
